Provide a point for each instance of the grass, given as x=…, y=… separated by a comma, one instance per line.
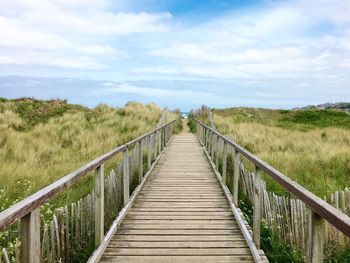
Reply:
x=41, y=141
x=309, y=146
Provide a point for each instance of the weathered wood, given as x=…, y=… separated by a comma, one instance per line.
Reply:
x=30, y=237
x=140, y=155
x=235, y=181
x=164, y=220
x=99, y=205
x=315, y=239
x=257, y=207
x=126, y=177
x=224, y=164
x=96, y=256
x=149, y=153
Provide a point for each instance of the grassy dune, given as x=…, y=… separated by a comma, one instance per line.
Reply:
x=40, y=141
x=310, y=146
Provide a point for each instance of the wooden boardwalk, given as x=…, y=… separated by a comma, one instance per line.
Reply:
x=180, y=215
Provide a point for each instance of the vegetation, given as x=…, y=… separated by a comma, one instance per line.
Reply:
x=40, y=141
x=176, y=115
x=310, y=146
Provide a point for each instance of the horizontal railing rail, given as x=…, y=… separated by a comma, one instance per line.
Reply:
x=320, y=208
x=27, y=210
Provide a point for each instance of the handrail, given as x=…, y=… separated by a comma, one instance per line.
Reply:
x=34, y=201
x=338, y=219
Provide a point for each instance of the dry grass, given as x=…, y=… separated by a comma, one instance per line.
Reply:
x=37, y=151
x=316, y=157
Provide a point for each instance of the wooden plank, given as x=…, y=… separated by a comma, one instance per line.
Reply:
x=168, y=232
x=178, y=259
x=99, y=205
x=30, y=237
x=175, y=251
x=257, y=207
x=126, y=177
x=235, y=180
x=173, y=238
x=178, y=244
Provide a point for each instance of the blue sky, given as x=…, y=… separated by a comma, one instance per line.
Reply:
x=177, y=53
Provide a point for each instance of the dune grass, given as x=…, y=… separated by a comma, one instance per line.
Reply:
x=309, y=146
x=41, y=141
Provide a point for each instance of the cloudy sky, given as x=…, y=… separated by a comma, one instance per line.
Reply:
x=177, y=53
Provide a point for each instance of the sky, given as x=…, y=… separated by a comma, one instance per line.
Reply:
x=177, y=53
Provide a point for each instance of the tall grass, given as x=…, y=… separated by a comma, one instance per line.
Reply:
x=316, y=154
x=40, y=141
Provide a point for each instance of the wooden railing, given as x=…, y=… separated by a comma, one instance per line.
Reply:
x=28, y=210
x=320, y=209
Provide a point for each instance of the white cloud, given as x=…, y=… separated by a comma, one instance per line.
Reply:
x=35, y=58
x=193, y=96
x=101, y=50
x=19, y=35
x=282, y=40
x=70, y=28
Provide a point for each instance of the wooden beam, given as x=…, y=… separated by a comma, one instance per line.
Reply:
x=224, y=164
x=99, y=205
x=140, y=161
x=315, y=238
x=257, y=207
x=30, y=237
x=126, y=176
x=236, y=173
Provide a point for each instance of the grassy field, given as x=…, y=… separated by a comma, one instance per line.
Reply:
x=309, y=146
x=41, y=141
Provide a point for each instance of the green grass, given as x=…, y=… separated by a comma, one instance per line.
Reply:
x=302, y=120
x=310, y=146
x=34, y=112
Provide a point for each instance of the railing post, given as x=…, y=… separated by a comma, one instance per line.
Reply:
x=204, y=137
x=141, y=161
x=202, y=134
x=224, y=163
x=207, y=139
x=212, y=147
x=217, y=142
x=99, y=205
x=155, y=145
x=159, y=142
x=235, y=181
x=149, y=154
x=126, y=176
x=164, y=140
x=257, y=207
x=30, y=237
x=315, y=238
